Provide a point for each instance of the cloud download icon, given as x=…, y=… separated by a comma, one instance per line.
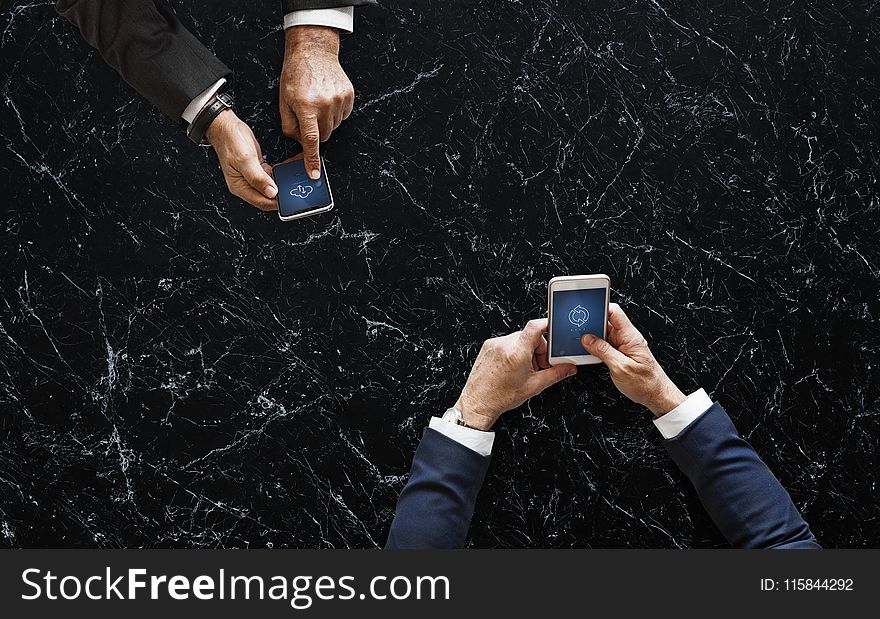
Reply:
x=301, y=191
x=579, y=316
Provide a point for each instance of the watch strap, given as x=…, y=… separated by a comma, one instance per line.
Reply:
x=199, y=126
x=453, y=415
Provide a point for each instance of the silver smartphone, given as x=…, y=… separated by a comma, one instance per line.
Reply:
x=576, y=304
x=298, y=195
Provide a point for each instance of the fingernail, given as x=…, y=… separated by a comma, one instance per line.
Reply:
x=586, y=338
x=314, y=174
x=270, y=191
x=572, y=372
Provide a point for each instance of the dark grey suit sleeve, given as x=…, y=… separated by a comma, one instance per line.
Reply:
x=437, y=503
x=149, y=47
x=744, y=499
x=301, y=5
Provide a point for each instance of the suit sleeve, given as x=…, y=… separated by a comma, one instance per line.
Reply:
x=437, y=503
x=744, y=499
x=304, y=5
x=148, y=46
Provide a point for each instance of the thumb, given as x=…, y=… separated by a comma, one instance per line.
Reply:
x=547, y=378
x=602, y=350
x=310, y=138
x=257, y=177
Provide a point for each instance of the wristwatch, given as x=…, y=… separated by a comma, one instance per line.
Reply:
x=199, y=126
x=453, y=415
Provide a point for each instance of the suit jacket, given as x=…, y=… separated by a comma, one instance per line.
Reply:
x=298, y=5
x=436, y=505
x=149, y=47
x=744, y=499
x=144, y=41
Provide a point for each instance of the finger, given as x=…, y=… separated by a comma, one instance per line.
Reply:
x=602, y=350
x=289, y=123
x=265, y=165
x=270, y=191
x=341, y=111
x=540, y=357
x=326, y=126
x=254, y=197
x=533, y=332
x=266, y=168
x=337, y=119
x=347, y=107
x=256, y=176
x=289, y=159
x=611, y=334
x=539, y=381
x=619, y=320
x=310, y=137
x=621, y=329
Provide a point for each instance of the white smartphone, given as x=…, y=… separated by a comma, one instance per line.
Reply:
x=576, y=304
x=298, y=195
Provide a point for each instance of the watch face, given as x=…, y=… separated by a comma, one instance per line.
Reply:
x=452, y=415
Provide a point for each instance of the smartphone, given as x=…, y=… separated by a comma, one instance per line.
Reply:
x=298, y=195
x=576, y=304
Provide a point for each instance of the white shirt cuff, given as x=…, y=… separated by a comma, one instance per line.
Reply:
x=341, y=18
x=478, y=441
x=195, y=106
x=684, y=414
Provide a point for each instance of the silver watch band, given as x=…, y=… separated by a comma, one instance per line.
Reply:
x=453, y=415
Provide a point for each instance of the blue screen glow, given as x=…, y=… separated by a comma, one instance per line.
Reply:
x=576, y=312
x=296, y=191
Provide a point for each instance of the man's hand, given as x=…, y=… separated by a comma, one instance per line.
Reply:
x=315, y=93
x=634, y=371
x=508, y=371
x=241, y=160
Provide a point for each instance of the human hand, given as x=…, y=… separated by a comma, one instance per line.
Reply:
x=508, y=371
x=634, y=370
x=315, y=93
x=247, y=175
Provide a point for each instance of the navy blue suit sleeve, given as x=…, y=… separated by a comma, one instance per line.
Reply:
x=744, y=499
x=435, y=507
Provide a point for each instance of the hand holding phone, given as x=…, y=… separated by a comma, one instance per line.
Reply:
x=576, y=305
x=632, y=365
x=508, y=371
x=298, y=195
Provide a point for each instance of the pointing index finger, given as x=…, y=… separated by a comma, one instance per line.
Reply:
x=310, y=138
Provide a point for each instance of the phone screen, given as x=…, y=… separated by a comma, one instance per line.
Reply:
x=576, y=312
x=297, y=193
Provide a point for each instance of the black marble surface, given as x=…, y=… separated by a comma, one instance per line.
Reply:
x=180, y=370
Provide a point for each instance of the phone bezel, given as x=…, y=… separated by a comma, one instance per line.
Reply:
x=575, y=282
x=313, y=211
